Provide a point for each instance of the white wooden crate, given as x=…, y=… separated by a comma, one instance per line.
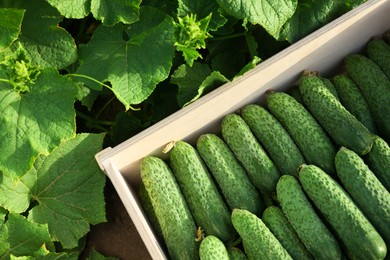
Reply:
x=321, y=51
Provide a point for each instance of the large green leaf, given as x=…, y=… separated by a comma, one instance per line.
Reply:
x=22, y=237
x=111, y=12
x=309, y=16
x=270, y=14
x=47, y=43
x=72, y=8
x=34, y=122
x=15, y=192
x=133, y=58
x=69, y=189
x=10, y=24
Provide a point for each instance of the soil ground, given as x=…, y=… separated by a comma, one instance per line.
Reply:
x=118, y=236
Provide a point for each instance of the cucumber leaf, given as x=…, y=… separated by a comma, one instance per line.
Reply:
x=309, y=16
x=69, y=189
x=46, y=42
x=95, y=255
x=15, y=192
x=195, y=81
x=167, y=6
x=72, y=8
x=22, y=237
x=211, y=82
x=251, y=65
x=10, y=26
x=189, y=79
x=232, y=51
x=132, y=58
x=107, y=11
x=270, y=14
x=36, y=121
x=112, y=12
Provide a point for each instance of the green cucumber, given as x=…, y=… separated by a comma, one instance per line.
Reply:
x=359, y=237
x=312, y=231
x=309, y=136
x=149, y=212
x=329, y=85
x=375, y=87
x=236, y=254
x=338, y=122
x=212, y=248
x=260, y=168
x=230, y=176
x=365, y=189
x=257, y=239
x=294, y=92
x=206, y=203
x=174, y=217
x=379, y=51
x=353, y=100
x=274, y=218
x=378, y=160
x=276, y=140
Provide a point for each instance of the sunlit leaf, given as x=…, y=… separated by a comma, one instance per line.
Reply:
x=132, y=58
x=10, y=24
x=69, y=189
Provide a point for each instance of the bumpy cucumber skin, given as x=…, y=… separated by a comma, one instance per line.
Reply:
x=206, y=203
x=260, y=168
x=174, y=217
x=212, y=248
x=294, y=92
x=365, y=189
x=337, y=121
x=309, y=136
x=354, y=101
x=236, y=254
x=230, y=176
x=360, y=238
x=257, y=239
x=149, y=211
x=318, y=240
x=329, y=85
x=379, y=51
x=275, y=139
x=378, y=160
x=274, y=218
x=375, y=87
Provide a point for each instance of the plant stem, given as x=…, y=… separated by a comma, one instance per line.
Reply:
x=104, y=107
x=90, y=78
x=5, y=80
x=232, y=36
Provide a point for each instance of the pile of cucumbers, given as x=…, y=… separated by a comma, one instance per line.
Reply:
x=304, y=176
